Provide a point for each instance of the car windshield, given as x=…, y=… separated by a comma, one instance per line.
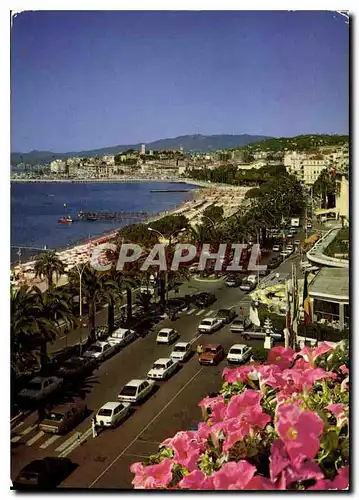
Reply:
x=158, y=366
x=55, y=416
x=129, y=390
x=179, y=348
x=163, y=334
x=211, y=350
x=95, y=348
x=118, y=335
x=105, y=412
x=223, y=312
x=72, y=363
x=34, y=386
x=238, y=321
x=207, y=321
x=28, y=476
x=236, y=351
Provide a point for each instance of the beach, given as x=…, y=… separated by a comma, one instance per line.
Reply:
x=229, y=197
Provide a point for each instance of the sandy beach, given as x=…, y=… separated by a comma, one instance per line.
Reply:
x=229, y=197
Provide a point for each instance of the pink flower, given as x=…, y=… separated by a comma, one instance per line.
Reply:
x=196, y=480
x=301, y=364
x=344, y=369
x=260, y=483
x=187, y=449
x=270, y=375
x=339, y=410
x=242, y=401
x=299, y=430
x=204, y=430
x=280, y=356
x=240, y=374
x=278, y=459
x=340, y=482
x=233, y=475
x=209, y=402
x=311, y=355
x=152, y=476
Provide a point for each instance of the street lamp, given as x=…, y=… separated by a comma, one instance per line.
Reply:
x=169, y=244
x=80, y=272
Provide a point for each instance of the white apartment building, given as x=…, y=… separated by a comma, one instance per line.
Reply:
x=58, y=166
x=109, y=159
x=312, y=168
x=293, y=162
x=254, y=164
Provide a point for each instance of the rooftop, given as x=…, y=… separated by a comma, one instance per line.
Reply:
x=331, y=282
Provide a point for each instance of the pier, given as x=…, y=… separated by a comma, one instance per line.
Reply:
x=94, y=216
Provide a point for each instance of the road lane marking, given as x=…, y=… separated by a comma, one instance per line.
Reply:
x=191, y=311
x=23, y=433
x=68, y=442
x=209, y=313
x=135, y=455
x=81, y=438
x=192, y=341
x=201, y=311
x=146, y=427
x=35, y=438
x=51, y=440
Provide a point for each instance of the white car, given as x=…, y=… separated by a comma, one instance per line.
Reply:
x=99, y=350
x=181, y=351
x=110, y=414
x=166, y=336
x=209, y=325
x=297, y=242
x=121, y=337
x=135, y=390
x=276, y=248
x=163, y=368
x=290, y=248
x=40, y=387
x=285, y=253
x=239, y=353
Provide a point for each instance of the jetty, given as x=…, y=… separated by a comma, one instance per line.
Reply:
x=94, y=216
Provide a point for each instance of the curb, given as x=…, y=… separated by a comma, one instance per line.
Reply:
x=210, y=280
x=18, y=417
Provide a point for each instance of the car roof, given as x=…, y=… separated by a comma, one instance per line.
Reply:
x=110, y=405
x=165, y=330
x=121, y=330
x=211, y=346
x=238, y=346
x=136, y=381
x=37, y=379
x=66, y=406
x=100, y=343
x=182, y=344
x=162, y=360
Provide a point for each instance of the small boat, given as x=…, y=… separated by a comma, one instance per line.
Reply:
x=64, y=220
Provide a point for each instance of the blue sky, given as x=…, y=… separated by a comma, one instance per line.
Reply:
x=84, y=80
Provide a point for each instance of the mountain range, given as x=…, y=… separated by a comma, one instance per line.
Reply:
x=190, y=143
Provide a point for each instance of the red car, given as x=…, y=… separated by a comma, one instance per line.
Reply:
x=211, y=354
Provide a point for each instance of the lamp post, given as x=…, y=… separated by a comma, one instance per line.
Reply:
x=169, y=244
x=80, y=272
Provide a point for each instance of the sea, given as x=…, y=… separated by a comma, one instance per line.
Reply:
x=36, y=207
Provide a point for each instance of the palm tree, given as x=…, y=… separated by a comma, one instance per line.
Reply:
x=92, y=291
x=46, y=265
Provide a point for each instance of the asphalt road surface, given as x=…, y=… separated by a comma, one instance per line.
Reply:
x=104, y=461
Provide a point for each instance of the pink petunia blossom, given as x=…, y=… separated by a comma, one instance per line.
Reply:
x=242, y=401
x=339, y=410
x=344, y=369
x=233, y=475
x=301, y=364
x=195, y=480
x=270, y=375
x=260, y=483
x=280, y=356
x=208, y=402
x=152, y=476
x=340, y=482
x=187, y=449
x=299, y=430
x=310, y=355
x=240, y=374
x=278, y=459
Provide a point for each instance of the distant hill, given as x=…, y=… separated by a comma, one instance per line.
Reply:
x=300, y=142
x=191, y=143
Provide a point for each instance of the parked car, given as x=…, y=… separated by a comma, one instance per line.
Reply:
x=205, y=299
x=285, y=253
x=297, y=242
x=111, y=413
x=121, y=337
x=99, y=350
x=247, y=286
x=226, y=315
x=233, y=281
x=304, y=264
x=239, y=353
x=193, y=268
x=276, y=248
x=259, y=333
x=263, y=272
x=211, y=354
x=209, y=325
x=44, y=474
x=290, y=235
x=40, y=387
x=163, y=368
x=136, y=390
x=76, y=367
x=166, y=336
x=253, y=278
x=290, y=248
x=273, y=263
x=181, y=351
x=64, y=417
x=240, y=324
